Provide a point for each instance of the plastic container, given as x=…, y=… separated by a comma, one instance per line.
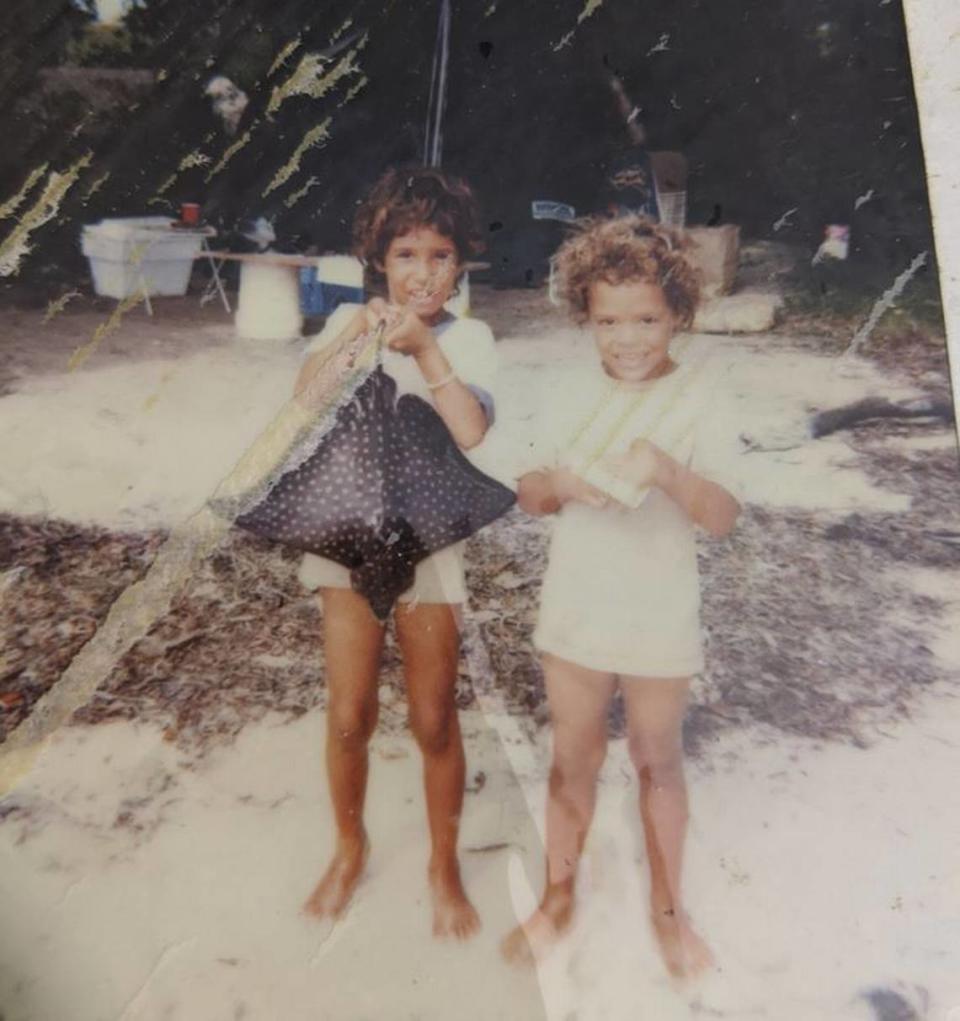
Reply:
x=543, y=209
x=673, y=208
x=335, y=280
x=131, y=255
x=670, y=175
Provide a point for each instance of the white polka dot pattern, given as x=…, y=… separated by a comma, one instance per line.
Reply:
x=386, y=487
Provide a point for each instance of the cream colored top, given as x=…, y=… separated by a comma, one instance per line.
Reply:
x=621, y=591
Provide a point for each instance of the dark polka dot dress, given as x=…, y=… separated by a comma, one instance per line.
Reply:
x=386, y=487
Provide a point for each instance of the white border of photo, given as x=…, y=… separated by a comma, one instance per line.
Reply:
x=933, y=28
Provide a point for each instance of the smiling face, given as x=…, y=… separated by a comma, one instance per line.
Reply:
x=421, y=268
x=632, y=326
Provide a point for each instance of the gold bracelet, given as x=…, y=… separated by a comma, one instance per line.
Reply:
x=448, y=378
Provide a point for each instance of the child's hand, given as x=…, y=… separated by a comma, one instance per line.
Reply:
x=377, y=311
x=642, y=465
x=405, y=331
x=569, y=487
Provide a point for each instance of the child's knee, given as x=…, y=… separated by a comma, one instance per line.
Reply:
x=576, y=763
x=433, y=728
x=658, y=760
x=352, y=722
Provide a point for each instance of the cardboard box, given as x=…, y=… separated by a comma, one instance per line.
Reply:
x=715, y=251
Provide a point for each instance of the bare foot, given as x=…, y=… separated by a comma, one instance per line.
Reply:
x=684, y=951
x=528, y=943
x=332, y=894
x=453, y=914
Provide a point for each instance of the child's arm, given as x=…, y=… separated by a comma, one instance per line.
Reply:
x=455, y=403
x=545, y=492
x=706, y=503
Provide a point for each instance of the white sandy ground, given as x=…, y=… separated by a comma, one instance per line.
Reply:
x=143, y=444
x=817, y=872
x=137, y=445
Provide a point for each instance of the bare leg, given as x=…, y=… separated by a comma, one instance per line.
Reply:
x=578, y=700
x=353, y=642
x=430, y=643
x=655, y=709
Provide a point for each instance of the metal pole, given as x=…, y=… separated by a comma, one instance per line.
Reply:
x=436, y=104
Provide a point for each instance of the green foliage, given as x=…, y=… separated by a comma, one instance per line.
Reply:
x=35, y=35
x=778, y=106
x=101, y=46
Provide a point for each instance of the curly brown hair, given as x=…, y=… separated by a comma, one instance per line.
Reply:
x=623, y=249
x=406, y=198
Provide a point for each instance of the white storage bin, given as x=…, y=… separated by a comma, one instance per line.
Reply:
x=132, y=254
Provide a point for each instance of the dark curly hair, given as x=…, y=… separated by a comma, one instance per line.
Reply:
x=623, y=249
x=406, y=198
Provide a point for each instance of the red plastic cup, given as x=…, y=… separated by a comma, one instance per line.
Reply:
x=190, y=213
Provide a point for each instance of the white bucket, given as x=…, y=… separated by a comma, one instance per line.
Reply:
x=268, y=305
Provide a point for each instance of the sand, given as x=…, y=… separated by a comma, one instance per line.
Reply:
x=145, y=884
x=141, y=445
x=138, y=445
x=141, y=889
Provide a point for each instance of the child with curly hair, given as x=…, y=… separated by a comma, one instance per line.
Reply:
x=630, y=462
x=414, y=231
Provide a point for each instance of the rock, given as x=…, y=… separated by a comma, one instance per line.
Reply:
x=746, y=312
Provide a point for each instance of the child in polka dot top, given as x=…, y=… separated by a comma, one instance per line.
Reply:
x=414, y=232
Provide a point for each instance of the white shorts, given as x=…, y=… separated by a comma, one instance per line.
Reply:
x=438, y=579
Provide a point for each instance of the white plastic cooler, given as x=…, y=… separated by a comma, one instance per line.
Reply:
x=136, y=254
